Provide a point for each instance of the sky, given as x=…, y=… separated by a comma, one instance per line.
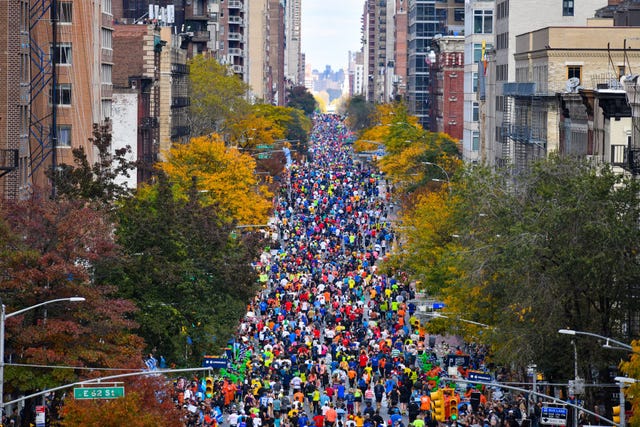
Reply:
x=330, y=29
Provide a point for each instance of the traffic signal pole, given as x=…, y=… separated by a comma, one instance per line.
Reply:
x=101, y=379
x=535, y=393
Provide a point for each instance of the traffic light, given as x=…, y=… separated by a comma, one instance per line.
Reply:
x=453, y=408
x=615, y=411
x=208, y=388
x=438, y=405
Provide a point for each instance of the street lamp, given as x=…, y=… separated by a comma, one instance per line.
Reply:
x=443, y=170
x=3, y=317
x=591, y=334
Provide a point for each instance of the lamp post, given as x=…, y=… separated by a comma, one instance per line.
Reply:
x=591, y=334
x=3, y=317
x=443, y=171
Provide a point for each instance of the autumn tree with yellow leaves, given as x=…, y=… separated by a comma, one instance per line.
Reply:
x=223, y=175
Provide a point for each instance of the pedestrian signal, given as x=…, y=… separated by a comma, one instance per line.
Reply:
x=208, y=388
x=438, y=405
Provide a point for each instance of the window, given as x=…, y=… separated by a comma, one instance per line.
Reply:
x=477, y=51
x=474, y=82
x=106, y=6
x=64, y=135
x=106, y=73
x=475, y=141
x=106, y=109
x=621, y=71
x=107, y=38
x=62, y=95
x=567, y=7
x=64, y=12
x=458, y=15
x=574, y=71
x=483, y=21
x=475, y=116
x=62, y=54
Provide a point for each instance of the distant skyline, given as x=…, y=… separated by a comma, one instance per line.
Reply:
x=330, y=29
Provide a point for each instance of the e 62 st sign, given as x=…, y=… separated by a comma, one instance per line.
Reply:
x=555, y=416
x=98, y=392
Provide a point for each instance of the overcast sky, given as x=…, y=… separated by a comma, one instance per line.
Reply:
x=330, y=29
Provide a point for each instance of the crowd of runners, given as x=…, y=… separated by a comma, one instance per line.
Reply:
x=328, y=341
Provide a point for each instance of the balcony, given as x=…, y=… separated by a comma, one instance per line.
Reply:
x=201, y=36
x=234, y=4
x=234, y=36
x=178, y=131
x=179, y=69
x=234, y=51
x=180, y=101
x=236, y=20
x=238, y=69
x=148, y=123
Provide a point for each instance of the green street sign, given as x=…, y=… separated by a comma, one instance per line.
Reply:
x=98, y=392
x=264, y=147
x=263, y=156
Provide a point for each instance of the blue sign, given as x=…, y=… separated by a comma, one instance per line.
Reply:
x=438, y=305
x=548, y=411
x=215, y=362
x=479, y=376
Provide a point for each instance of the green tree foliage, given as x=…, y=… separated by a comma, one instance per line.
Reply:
x=189, y=278
x=217, y=95
x=360, y=113
x=50, y=248
x=552, y=248
x=299, y=97
x=95, y=182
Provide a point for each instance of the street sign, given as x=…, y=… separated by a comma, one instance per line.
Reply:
x=438, y=305
x=215, y=362
x=98, y=392
x=264, y=147
x=479, y=376
x=553, y=416
x=41, y=420
x=457, y=360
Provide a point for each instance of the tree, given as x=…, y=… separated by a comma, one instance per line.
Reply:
x=632, y=369
x=552, y=248
x=360, y=113
x=217, y=95
x=147, y=403
x=299, y=97
x=189, y=278
x=224, y=175
x=51, y=250
x=97, y=182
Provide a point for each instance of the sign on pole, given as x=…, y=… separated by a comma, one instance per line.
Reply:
x=479, y=376
x=98, y=392
x=40, y=416
x=556, y=416
x=215, y=362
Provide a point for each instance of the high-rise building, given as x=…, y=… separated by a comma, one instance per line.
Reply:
x=294, y=71
x=479, y=39
x=258, y=49
x=378, y=31
x=277, y=52
x=447, y=86
x=57, y=85
x=426, y=19
x=400, y=48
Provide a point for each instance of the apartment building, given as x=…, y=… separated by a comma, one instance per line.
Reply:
x=277, y=52
x=479, y=39
x=512, y=19
x=400, y=48
x=568, y=95
x=56, y=69
x=258, y=49
x=294, y=70
x=446, y=63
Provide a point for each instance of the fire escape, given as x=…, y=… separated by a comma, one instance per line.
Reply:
x=42, y=126
x=524, y=126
